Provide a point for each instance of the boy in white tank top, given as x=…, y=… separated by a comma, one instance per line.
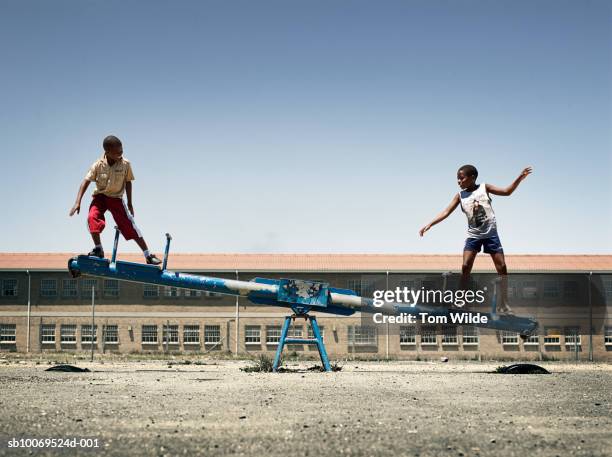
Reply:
x=482, y=227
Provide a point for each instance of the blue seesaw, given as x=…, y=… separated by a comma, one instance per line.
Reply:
x=301, y=296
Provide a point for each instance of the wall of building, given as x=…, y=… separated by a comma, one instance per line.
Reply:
x=58, y=302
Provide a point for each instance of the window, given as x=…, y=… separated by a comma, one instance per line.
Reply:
x=252, y=334
x=68, y=333
x=273, y=334
x=311, y=333
x=533, y=340
x=449, y=336
x=69, y=288
x=111, y=334
x=570, y=289
x=469, y=336
x=550, y=289
x=512, y=289
x=409, y=284
x=191, y=293
x=607, y=282
x=8, y=333
x=530, y=289
x=509, y=338
x=608, y=336
x=552, y=336
x=149, y=334
x=48, y=288
x=428, y=335
x=572, y=336
x=213, y=295
x=171, y=292
x=111, y=288
x=86, y=334
x=170, y=334
x=407, y=335
x=86, y=285
x=212, y=334
x=362, y=287
x=362, y=335
x=9, y=288
x=150, y=291
x=191, y=334
x=47, y=333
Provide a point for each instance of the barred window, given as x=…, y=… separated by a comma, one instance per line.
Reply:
x=170, y=334
x=69, y=288
x=171, y=292
x=86, y=334
x=572, y=336
x=359, y=335
x=150, y=291
x=607, y=283
x=362, y=287
x=8, y=333
x=410, y=284
x=407, y=335
x=608, y=336
x=111, y=334
x=48, y=288
x=149, y=334
x=252, y=334
x=533, y=340
x=212, y=334
x=191, y=334
x=509, y=338
x=213, y=294
x=273, y=334
x=9, y=288
x=192, y=293
x=321, y=331
x=552, y=336
x=428, y=335
x=111, y=288
x=550, y=289
x=469, y=335
x=449, y=336
x=530, y=289
x=570, y=289
x=47, y=333
x=68, y=333
x=86, y=285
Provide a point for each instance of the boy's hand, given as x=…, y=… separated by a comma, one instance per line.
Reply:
x=526, y=172
x=75, y=209
x=131, y=208
x=424, y=229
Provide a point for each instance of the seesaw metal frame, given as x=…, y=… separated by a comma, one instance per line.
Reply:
x=301, y=296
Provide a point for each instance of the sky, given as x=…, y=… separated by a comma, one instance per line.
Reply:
x=309, y=126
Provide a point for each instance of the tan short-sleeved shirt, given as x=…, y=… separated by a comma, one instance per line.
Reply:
x=110, y=180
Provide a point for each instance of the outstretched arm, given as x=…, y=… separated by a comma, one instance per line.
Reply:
x=77, y=205
x=443, y=215
x=505, y=191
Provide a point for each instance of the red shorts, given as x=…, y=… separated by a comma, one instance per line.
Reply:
x=124, y=220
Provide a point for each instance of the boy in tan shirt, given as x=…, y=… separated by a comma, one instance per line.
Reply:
x=113, y=176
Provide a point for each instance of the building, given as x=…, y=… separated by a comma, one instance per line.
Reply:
x=42, y=308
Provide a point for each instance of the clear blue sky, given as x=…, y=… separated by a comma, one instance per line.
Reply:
x=309, y=126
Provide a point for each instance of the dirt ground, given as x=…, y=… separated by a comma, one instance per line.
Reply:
x=368, y=408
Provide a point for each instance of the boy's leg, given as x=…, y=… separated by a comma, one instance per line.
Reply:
x=499, y=260
x=466, y=268
x=96, y=223
x=129, y=229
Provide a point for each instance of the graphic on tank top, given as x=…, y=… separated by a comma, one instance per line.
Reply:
x=477, y=207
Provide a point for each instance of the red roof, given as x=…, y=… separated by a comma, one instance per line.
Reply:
x=329, y=262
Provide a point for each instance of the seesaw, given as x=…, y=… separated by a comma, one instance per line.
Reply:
x=301, y=296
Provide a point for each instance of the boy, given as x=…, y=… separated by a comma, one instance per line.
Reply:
x=482, y=228
x=113, y=176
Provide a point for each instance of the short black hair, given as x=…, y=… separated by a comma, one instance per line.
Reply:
x=110, y=141
x=469, y=170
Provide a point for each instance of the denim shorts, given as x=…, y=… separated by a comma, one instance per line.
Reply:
x=491, y=245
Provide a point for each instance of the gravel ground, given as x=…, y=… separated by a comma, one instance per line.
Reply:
x=369, y=408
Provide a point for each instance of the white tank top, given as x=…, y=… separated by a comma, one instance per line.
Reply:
x=477, y=207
